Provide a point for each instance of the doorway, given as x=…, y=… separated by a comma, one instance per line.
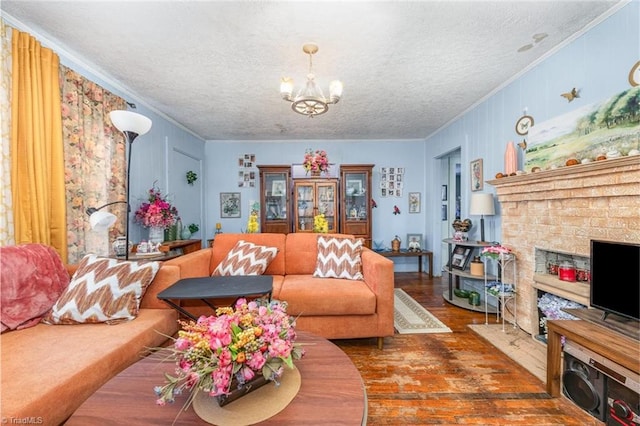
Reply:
x=451, y=208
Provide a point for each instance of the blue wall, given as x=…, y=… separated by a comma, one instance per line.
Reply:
x=222, y=170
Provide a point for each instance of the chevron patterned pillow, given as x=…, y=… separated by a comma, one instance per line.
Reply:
x=103, y=290
x=339, y=257
x=246, y=258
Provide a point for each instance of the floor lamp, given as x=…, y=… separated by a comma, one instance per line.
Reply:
x=132, y=125
x=482, y=205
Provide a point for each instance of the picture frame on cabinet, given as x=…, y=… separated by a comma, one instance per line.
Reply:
x=476, y=175
x=229, y=205
x=278, y=188
x=414, y=202
x=460, y=256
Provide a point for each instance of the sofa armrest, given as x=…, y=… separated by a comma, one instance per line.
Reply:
x=378, y=275
x=167, y=276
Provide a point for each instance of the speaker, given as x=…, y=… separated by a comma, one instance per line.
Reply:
x=624, y=405
x=585, y=386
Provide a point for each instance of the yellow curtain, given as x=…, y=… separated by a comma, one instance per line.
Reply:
x=37, y=165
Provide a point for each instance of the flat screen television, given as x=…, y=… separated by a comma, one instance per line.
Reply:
x=615, y=278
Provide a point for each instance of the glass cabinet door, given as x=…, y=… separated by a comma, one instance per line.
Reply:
x=355, y=194
x=356, y=198
x=305, y=203
x=327, y=203
x=275, y=197
x=314, y=197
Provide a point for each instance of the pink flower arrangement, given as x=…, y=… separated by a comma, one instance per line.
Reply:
x=254, y=337
x=495, y=252
x=157, y=212
x=315, y=161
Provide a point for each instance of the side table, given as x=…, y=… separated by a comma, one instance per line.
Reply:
x=407, y=253
x=205, y=288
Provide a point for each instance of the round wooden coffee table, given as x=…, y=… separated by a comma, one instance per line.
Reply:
x=331, y=392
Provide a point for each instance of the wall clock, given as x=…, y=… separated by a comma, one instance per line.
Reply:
x=634, y=75
x=523, y=125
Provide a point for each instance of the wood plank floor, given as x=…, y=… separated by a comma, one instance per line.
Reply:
x=451, y=378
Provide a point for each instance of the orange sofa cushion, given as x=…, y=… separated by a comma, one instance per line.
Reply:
x=326, y=296
x=49, y=371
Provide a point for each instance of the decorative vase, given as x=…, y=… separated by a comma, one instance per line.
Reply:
x=156, y=234
x=186, y=234
x=315, y=173
x=171, y=233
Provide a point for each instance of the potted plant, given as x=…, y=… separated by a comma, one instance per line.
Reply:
x=191, y=177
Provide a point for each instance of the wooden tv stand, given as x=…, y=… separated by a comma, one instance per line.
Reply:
x=610, y=344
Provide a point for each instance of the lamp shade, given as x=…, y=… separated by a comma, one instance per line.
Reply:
x=482, y=205
x=101, y=221
x=127, y=121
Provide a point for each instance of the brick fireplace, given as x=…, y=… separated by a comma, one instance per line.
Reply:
x=558, y=212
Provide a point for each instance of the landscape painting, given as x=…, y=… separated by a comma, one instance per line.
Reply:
x=608, y=127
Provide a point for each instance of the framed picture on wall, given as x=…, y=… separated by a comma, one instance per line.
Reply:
x=414, y=202
x=229, y=205
x=476, y=175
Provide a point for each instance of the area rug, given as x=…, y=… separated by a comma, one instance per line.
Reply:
x=409, y=317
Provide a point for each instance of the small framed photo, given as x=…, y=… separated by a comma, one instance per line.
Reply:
x=460, y=256
x=414, y=242
x=354, y=187
x=229, y=205
x=443, y=193
x=277, y=188
x=476, y=175
x=443, y=212
x=414, y=202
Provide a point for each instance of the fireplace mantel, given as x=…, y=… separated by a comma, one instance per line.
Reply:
x=562, y=210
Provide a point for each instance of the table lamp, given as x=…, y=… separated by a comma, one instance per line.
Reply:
x=482, y=205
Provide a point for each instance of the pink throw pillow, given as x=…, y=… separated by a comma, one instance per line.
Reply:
x=33, y=278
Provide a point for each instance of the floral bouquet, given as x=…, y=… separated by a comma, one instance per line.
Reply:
x=496, y=252
x=320, y=224
x=315, y=161
x=156, y=212
x=231, y=347
x=252, y=223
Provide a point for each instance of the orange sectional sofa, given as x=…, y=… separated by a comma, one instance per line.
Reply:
x=48, y=371
x=329, y=307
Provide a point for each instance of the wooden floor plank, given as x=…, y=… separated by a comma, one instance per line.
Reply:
x=456, y=378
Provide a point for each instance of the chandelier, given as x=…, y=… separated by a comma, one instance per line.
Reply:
x=310, y=100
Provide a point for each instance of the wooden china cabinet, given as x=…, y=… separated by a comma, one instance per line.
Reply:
x=312, y=197
x=355, y=208
x=275, y=199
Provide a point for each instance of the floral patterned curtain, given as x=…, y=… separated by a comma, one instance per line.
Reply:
x=94, y=160
x=6, y=206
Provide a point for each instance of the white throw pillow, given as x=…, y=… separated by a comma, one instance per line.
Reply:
x=339, y=257
x=246, y=258
x=103, y=290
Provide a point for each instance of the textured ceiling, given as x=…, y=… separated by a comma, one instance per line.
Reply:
x=408, y=68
